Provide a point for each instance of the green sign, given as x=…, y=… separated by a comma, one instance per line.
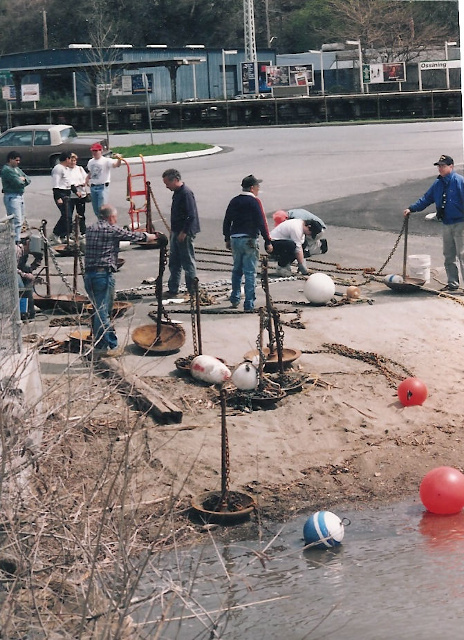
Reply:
x=366, y=73
x=5, y=78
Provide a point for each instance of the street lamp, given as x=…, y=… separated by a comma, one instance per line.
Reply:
x=322, y=69
x=195, y=46
x=358, y=43
x=226, y=52
x=448, y=44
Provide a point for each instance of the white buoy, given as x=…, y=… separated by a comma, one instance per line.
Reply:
x=323, y=530
x=209, y=369
x=319, y=288
x=245, y=376
x=392, y=277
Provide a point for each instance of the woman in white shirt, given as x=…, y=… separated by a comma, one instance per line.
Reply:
x=78, y=191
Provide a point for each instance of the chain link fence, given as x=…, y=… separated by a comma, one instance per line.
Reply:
x=10, y=322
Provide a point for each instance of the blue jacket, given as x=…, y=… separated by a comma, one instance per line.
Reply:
x=454, y=208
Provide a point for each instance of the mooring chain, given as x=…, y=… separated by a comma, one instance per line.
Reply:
x=193, y=321
x=378, y=361
x=395, y=246
x=225, y=459
x=159, y=283
x=279, y=332
x=261, y=356
x=52, y=254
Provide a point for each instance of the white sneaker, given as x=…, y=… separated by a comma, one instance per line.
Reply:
x=284, y=272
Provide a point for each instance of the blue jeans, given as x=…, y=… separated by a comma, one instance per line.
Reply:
x=245, y=253
x=99, y=196
x=14, y=205
x=453, y=251
x=100, y=289
x=181, y=256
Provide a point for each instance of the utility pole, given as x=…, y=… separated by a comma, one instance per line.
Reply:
x=250, y=39
x=268, y=24
x=45, y=30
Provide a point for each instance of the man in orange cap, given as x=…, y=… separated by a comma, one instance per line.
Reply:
x=99, y=175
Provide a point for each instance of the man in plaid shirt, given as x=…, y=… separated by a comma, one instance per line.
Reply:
x=101, y=254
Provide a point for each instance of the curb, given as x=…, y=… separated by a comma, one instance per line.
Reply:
x=167, y=157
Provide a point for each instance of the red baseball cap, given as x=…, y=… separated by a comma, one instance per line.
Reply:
x=96, y=147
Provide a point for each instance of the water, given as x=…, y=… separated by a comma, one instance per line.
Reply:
x=398, y=575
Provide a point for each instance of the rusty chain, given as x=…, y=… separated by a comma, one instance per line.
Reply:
x=395, y=246
x=381, y=363
x=225, y=460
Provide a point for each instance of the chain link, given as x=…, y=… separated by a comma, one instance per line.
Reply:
x=53, y=256
x=193, y=320
x=225, y=466
x=395, y=246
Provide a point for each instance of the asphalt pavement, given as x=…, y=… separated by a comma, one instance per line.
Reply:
x=357, y=178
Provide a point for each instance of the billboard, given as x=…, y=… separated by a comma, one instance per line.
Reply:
x=248, y=77
x=289, y=76
x=30, y=93
x=384, y=72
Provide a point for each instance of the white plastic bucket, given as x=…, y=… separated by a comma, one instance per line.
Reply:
x=419, y=267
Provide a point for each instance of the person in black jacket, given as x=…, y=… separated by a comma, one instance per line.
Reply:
x=185, y=225
x=243, y=222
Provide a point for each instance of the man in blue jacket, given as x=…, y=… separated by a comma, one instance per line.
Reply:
x=244, y=221
x=447, y=192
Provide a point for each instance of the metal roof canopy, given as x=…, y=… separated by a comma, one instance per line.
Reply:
x=172, y=64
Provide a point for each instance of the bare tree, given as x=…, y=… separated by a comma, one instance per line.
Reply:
x=103, y=55
x=395, y=29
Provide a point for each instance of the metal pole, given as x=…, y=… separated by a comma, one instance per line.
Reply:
x=224, y=88
x=194, y=82
x=322, y=75
x=74, y=88
x=145, y=84
x=360, y=66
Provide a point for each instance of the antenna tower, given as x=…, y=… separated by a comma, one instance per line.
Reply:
x=249, y=30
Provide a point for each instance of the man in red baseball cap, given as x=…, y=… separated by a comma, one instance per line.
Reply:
x=99, y=176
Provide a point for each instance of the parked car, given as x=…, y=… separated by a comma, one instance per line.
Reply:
x=40, y=145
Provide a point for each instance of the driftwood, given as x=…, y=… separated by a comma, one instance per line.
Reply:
x=139, y=392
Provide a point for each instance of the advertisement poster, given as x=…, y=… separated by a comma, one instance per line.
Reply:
x=384, y=72
x=277, y=76
x=394, y=72
x=290, y=76
x=30, y=93
x=301, y=75
x=139, y=82
x=248, y=77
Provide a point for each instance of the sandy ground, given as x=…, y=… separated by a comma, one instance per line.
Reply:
x=345, y=437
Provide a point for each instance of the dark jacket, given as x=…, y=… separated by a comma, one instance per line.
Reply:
x=245, y=216
x=184, y=213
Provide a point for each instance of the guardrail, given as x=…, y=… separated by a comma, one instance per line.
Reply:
x=267, y=111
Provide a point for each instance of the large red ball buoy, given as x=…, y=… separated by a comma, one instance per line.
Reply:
x=442, y=491
x=412, y=391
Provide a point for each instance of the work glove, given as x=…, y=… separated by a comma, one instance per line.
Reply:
x=324, y=246
x=302, y=269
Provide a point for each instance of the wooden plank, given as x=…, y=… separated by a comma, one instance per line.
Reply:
x=146, y=398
